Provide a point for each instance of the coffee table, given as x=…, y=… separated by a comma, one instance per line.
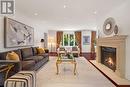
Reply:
x=65, y=59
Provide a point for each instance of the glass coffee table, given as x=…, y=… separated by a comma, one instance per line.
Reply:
x=66, y=59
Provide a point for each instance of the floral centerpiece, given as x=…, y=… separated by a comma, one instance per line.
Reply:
x=70, y=56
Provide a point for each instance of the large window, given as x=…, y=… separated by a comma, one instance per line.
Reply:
x=68, y=39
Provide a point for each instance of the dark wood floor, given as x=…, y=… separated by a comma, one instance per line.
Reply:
x=89, y=56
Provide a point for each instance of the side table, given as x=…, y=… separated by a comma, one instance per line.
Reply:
x=6, y=68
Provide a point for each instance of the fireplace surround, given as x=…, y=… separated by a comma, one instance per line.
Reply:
x=117, y=42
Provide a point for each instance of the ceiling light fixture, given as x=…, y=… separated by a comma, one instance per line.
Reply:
x=64, y=6
x=95, y=12
x=35, y=14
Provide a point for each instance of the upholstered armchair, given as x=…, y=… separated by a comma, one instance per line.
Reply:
x=61, y=50
x=75, y=51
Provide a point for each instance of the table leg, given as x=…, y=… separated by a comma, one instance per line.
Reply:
x=74, y=68
x=57, y=68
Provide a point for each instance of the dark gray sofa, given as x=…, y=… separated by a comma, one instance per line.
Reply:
x=29, y=60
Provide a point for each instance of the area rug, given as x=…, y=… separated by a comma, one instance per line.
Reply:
x=86, y=75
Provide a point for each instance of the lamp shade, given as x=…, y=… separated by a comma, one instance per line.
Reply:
x=42, y=40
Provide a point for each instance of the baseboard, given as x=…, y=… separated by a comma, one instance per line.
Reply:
x=88, y=55
x=52, y=53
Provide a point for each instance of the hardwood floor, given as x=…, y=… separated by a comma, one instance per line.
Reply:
x=87, y=55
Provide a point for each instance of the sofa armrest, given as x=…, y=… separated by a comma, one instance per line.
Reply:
x=46, y=50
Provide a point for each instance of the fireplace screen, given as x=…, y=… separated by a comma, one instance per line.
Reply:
x=108, y=57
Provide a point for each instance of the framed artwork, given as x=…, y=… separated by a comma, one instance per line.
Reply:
x=86, y=40
x=17, y=34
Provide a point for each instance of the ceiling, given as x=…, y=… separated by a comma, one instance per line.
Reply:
x=67, y=13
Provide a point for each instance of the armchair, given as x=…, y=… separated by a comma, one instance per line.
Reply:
x=61, y=50
x=75, y=51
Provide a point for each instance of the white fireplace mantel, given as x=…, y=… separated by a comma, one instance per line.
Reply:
x=119, y=43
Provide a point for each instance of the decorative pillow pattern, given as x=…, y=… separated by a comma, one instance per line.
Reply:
x=12, y=56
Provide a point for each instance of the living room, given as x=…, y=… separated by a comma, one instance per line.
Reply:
x=102, y=26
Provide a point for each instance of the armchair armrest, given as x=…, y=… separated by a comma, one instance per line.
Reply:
x=79, y=50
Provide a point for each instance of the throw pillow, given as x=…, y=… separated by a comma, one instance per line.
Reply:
x=12, y=56
x=40, y=50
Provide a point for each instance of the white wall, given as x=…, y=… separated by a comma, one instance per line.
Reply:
x=122, y=18
x=87, y=47
x=36, y=24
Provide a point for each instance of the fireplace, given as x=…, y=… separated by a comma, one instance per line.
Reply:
x=108, y=57
x=111, y=53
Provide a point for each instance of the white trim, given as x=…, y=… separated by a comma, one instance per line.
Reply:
x=69, y=33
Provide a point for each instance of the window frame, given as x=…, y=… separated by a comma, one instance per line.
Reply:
x=69, y=33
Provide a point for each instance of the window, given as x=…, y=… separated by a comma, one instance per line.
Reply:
x=68, y=39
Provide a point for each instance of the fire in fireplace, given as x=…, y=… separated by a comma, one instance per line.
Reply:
x=108, y=57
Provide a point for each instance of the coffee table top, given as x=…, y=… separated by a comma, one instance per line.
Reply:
x=66, y=58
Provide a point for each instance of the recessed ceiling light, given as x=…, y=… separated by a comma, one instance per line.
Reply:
x=35, y=14
x=64, y=6
x=95, y=12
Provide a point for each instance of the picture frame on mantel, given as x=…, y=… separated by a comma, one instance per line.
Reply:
x=17, y=34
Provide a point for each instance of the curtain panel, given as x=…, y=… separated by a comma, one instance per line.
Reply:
x=78, y=39
x=93, y=41
x=59, y=36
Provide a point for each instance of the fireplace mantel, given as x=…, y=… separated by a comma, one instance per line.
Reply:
x=119, y=43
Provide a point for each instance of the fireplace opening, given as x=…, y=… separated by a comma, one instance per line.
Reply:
x=108, y=57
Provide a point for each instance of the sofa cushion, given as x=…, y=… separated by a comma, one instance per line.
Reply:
x=34, y=50
x=3, y=55
x=38, y=58
x=19, y=53
x=44, y=55
x=35, y=58
x=26, y=65
x=26, y=52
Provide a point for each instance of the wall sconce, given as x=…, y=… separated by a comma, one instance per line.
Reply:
x=42, y=40
x=42, y=43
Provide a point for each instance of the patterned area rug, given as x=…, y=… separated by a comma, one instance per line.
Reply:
x=86, y=75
